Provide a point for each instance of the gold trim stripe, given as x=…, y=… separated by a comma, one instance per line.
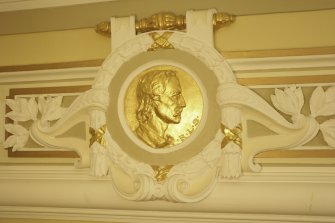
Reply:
x=226, y=54
x=279, y=52
x=297, y=154
x=47, y=66
x=287, y=80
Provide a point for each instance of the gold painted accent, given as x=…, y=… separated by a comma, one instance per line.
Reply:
x=161, y=21
x=161, y=172
x=227, y=55
x=279, y=52
x=231, y=135
x=48, y=66
x=103, y=28
x=163, y=106
x=165, y=21
x=282, y=153
x=98, y=135
x=221, y=19
x=160, y=41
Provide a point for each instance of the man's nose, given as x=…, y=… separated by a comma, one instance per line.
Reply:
x=182, y=102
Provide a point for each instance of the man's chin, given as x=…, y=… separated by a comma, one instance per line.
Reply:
x=176, y=120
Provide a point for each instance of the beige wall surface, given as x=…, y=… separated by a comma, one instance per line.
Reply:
x=25, y=220
x=248, y=33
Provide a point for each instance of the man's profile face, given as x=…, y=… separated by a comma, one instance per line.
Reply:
x=171, y=102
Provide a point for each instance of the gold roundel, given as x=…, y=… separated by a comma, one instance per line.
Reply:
x=163, y=106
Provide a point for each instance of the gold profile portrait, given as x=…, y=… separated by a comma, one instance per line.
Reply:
x=163, y=106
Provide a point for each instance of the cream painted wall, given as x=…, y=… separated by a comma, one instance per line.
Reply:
x=254, y=32
x=278, y=31
x=25, y=220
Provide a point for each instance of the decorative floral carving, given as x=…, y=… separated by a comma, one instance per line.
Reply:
x=19, y=136
x=289, y=101
x=328, y=131
x=50, y=108
x=22, y=109
x=322, y=103
x=25, y=109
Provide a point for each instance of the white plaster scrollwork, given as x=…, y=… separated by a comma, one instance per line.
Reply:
x=231, y=153
x=321, y=103
x=43, y=110
x=180, y=184
x=289, y=135
x=193, y=179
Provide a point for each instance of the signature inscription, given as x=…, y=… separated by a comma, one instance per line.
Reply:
x=189, y=131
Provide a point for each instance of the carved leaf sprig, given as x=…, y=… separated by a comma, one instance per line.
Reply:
x=50, y=109
x=19, y=136
x=328, y=132
x=289, y=101
x=22, y=109
x=322, y=103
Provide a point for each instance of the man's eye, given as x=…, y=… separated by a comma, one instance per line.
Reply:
x=175, y=96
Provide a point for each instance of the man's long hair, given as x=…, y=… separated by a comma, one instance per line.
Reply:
x=149, y=88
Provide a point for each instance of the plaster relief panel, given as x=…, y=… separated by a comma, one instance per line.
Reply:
x=167, y=119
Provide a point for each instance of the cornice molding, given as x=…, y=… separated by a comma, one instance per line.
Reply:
x=81, y=73
x=289, y=62
x=245, y=67
x=152, y=216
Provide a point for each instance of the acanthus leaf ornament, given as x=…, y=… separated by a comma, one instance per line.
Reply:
x=322, y=103
x=50, y=109
x=23, y=109
x=328, y=131
x=19, y=136
x=289, y=101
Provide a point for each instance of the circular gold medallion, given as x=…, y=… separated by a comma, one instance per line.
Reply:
x=163, y=106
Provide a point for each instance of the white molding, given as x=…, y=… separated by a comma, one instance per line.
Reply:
x=247, y=67
x=82, y=73
x=68, y=172
x=151, y=216
x=39, y=192
x=289, y=62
